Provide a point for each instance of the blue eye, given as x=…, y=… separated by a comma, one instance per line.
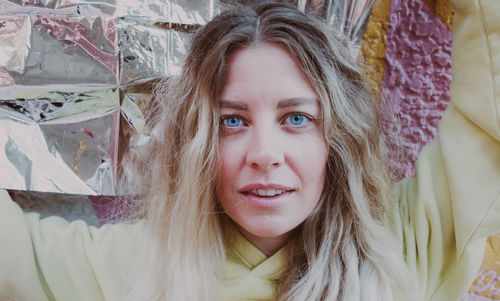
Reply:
x=231, y=122
x=297, y=119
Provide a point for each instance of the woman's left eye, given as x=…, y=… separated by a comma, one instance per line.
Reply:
x=297, y=119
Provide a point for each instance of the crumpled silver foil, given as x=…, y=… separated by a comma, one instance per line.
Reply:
x=75, y=77
x=61, y=140
x=47, y=49
x=178, y=11
x=348, y=16
x=149, y=51
x=59, y=49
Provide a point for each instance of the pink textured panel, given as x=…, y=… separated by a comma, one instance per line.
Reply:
x=416, y=82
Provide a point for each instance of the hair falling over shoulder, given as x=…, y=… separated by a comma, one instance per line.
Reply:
x=342, y=251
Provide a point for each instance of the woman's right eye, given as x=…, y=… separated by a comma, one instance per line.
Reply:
x=231, y=121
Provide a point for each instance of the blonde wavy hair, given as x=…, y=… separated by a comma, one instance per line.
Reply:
x=342, y=251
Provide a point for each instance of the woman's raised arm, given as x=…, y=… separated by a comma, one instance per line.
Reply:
x=448, y=209
x=51, y=259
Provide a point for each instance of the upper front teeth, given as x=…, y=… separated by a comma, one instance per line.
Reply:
x=267, y=192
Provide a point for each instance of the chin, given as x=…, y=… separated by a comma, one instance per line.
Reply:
x=269, y=230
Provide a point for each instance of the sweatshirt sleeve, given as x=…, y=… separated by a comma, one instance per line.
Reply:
x=446, y=211
x=51, y=259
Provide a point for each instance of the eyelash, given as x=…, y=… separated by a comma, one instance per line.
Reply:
x=308, y=120
x=306, y=116
x=228, y=117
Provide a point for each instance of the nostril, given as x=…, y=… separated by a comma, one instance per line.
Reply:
x=264, y=157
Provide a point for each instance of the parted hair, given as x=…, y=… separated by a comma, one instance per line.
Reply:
x=343, y=251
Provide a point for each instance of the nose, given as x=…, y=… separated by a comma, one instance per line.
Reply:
x=265, y=150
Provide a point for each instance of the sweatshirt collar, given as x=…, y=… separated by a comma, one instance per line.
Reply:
x=247, y=255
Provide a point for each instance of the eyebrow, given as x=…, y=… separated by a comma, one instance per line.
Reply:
x=288, y=102
x=233, y=105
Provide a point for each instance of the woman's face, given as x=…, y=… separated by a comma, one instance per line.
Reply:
x=273, y=154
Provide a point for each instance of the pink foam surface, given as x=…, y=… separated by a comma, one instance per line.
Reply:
x=416, y=82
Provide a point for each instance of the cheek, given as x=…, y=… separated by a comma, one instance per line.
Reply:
x=228, y=169
x=313, y=166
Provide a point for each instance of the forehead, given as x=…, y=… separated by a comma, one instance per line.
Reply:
x=265, y=71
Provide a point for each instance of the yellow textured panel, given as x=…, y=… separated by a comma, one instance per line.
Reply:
x=487, y=282
x=443, y=9
x=373, y=45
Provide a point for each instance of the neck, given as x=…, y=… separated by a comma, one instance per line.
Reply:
x=267, y=245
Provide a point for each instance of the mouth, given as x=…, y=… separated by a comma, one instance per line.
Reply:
x=267, y=193
x=267, y=197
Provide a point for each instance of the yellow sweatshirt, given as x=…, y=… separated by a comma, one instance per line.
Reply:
x=441, y=217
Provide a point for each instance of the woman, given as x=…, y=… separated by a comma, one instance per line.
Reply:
x=275, y=97
x=265, y=178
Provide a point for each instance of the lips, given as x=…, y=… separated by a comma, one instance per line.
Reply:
x=267, y=192
x=266, y=195
x=266, y=189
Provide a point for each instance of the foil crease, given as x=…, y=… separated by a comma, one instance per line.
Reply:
x=149, y=51
x=14, y=33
